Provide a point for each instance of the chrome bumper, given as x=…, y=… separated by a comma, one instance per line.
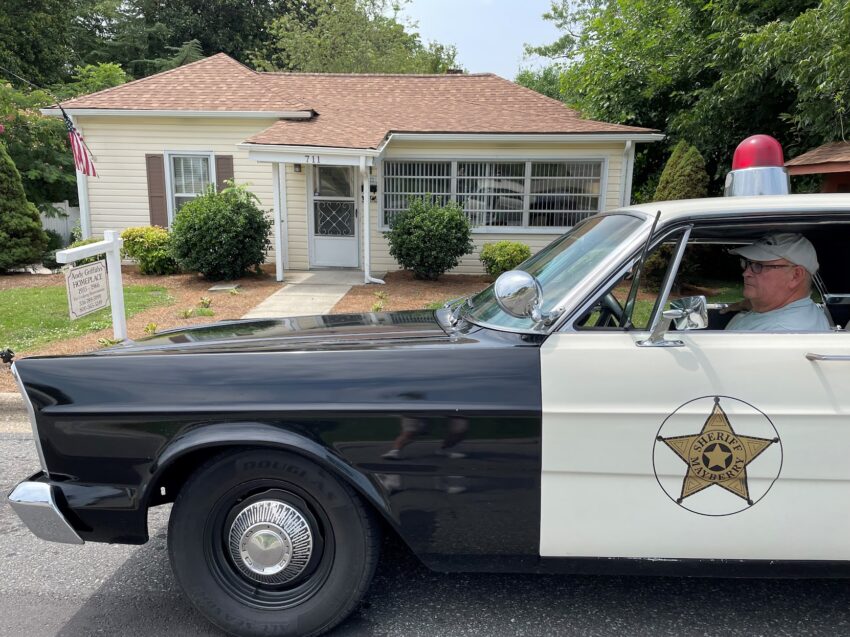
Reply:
x=35, y=504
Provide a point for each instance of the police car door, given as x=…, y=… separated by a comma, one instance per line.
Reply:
x=725, y=445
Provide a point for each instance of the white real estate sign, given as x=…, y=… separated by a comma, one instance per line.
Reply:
x=88, y=288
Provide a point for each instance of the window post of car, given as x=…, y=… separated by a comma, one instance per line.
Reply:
x=630, y=301
x=660, y=321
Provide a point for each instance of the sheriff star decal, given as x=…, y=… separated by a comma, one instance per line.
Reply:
x=717, y=458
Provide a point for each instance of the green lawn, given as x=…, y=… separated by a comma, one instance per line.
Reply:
x=30, y=317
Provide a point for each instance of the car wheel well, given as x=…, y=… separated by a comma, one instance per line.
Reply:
x=169, y=484
x=171, y=481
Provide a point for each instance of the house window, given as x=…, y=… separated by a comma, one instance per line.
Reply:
x=530, y=194
x=406, y=179
x=563, y=193
x=190, y=175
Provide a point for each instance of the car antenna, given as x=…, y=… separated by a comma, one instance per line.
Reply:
x=630, y=302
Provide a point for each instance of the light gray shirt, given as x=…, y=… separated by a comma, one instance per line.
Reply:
x=800, y=316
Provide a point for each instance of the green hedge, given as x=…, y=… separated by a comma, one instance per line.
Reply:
x=150, y=247
x=502, y=256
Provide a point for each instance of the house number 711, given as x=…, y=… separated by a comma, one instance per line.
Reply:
x=312, y=159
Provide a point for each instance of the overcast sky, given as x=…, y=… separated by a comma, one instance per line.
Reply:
x=489, y=34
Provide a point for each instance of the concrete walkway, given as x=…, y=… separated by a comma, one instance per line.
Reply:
x=308, y=292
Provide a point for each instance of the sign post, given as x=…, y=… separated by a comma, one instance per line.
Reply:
x=85, y=282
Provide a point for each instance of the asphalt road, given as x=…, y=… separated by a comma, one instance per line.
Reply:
x=78, y=591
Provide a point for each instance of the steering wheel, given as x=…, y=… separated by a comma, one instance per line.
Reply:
x=610, y=312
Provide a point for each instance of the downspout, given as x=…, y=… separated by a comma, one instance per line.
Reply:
x=83, y=195
x=628, y=169
x=367, y=239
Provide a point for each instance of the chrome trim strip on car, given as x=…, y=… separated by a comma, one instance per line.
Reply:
x=31, y=414
x=35, y=504
x=827, y=357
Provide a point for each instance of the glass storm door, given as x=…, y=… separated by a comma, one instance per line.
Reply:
x=333, y=228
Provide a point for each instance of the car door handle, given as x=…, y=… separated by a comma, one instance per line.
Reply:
x=828, y=357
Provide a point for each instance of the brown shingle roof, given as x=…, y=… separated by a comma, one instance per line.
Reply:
x=217, y=83
x=826, y=154
x=353, y=111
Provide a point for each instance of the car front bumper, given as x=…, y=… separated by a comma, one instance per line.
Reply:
x=35, y=503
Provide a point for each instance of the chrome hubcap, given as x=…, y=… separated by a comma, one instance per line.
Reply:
x=270, y=542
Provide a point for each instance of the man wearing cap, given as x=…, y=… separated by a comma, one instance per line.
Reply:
x=778, y=271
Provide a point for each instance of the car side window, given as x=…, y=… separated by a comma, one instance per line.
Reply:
x=629, y=301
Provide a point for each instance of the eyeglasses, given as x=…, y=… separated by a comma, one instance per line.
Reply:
x=757, y=268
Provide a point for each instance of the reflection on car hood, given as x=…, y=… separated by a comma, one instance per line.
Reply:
x=285, y=333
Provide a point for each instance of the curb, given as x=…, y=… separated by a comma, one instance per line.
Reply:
x=11, y=401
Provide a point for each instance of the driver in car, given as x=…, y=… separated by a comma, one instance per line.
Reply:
x=778, y=271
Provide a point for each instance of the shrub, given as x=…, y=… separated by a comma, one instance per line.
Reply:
x=429, y=239
x=85, y=242
x=55, y=241
x=22, y=241
x=150, y=247
x=503, y=256
x=221, y=235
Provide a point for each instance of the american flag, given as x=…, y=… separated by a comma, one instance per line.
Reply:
x=82, y=157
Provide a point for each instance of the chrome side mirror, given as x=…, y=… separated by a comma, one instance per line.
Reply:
x=519, y=294
x=689, y=313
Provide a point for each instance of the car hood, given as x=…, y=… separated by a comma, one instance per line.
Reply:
x=304, y=332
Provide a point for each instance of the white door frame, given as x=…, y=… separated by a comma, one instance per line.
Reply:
x=311, y=230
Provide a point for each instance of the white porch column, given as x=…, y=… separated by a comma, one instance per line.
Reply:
x=280, y=216
x=367, y=239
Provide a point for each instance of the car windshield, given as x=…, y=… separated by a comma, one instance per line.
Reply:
x=560, y=266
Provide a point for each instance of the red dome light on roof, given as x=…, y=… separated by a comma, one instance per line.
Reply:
x=757, y=169
x=758, y=151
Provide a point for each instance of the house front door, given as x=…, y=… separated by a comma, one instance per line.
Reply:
x=333, y=222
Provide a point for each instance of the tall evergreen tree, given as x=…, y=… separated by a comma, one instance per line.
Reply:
x=22, y=239
x=684, y=175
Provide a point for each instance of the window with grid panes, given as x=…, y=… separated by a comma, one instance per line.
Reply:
x=552, y=194
x=190, y=177
x=406, y=179
x=563, y=193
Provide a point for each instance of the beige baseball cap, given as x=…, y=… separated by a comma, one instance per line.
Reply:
x=790, y=246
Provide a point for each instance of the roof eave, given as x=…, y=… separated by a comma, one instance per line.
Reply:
x=133, y=112
x=818, y=168
x=529, y=137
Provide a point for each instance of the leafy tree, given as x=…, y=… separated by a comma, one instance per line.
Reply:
x=350, y=36
x=39, y=145
x=546, y=81
x=34, y=41
x=235, y=27
x=22, y=239
x=91, y=78
x=712, y=72
x=148, y=36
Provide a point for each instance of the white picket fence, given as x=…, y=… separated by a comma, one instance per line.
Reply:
x=62, y=224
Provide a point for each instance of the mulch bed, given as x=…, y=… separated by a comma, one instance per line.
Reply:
x=403, y=292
